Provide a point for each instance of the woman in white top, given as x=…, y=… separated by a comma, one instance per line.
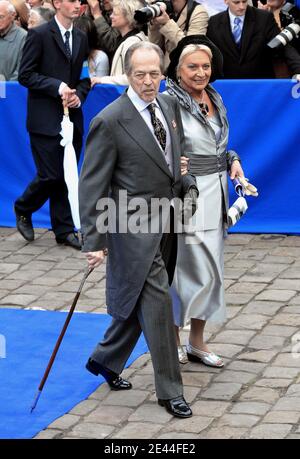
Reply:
x=122, y=19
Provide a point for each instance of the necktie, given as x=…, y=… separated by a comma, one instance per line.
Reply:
x=159, y=130
x=237, y=30
x=67, y=45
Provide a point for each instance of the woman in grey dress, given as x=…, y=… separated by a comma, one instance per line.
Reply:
x=198, y=279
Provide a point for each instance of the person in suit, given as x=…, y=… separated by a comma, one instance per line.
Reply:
x=242, y=34
x=50, y=68
x=134, y=147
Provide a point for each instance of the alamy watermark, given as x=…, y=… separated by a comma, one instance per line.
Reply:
x=296, y=89
x=2, y=347
x=123, y=214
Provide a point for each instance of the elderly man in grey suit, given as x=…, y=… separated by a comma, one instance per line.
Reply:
x=12, y=39
x=133, y=155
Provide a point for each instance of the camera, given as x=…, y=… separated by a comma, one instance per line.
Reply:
x=150, y=12
x=236, y=211
x=290, y=19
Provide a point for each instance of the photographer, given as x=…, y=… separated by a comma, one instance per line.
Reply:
x=275, y=6
x=108, y=38
x=188, y=18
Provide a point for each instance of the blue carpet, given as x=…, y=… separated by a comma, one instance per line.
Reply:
x=30, y=337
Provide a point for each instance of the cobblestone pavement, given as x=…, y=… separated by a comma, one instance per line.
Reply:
x=256, y=395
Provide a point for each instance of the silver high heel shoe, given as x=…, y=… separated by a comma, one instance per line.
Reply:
x=208, y=358
x=182, y=356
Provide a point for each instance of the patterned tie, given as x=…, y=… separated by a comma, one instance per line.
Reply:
x=67, y=45
x=159, y=130
x=237, y=30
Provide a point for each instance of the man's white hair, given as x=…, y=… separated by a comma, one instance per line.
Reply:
x=10, y=6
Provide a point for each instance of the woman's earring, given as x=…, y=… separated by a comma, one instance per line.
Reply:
x=179, y=79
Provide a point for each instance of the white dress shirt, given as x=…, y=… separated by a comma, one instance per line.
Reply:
x=63, y=31
x=232, y=18
x=141, y=107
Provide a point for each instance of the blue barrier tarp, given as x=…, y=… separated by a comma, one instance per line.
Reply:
x=264, y=130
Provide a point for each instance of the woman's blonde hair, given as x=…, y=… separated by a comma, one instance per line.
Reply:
x=128, y=8
x=190, y=49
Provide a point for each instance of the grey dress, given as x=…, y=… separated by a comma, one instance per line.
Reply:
x=198, y=286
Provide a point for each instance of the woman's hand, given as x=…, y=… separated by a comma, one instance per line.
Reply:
x=184, y=164
x=236, y=170
x=95, y=80
x=95, y=259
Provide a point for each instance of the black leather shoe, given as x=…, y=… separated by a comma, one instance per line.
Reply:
x=178, y=407
x=24, y=226
x=70, y=239
x=114, y=381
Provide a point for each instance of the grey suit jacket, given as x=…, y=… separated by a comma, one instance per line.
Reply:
x=122, y=155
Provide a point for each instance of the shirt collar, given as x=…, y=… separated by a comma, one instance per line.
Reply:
x=62, y=28
x=139, y=103
x=10, y=34
x=232, y=18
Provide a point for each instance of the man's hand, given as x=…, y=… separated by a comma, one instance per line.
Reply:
x=184, y=164
x=95, y=259
x=69, y=97
x=73, y=101
x=236, y=170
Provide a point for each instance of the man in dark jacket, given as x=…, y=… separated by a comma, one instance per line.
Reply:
x=50, y=68
x=242, y=34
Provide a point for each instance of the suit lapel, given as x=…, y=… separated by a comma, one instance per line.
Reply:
x=171, y=122
x=57, y=37
x=136, y=127
x=226, y=35
x=247, y=34
x=75, y=44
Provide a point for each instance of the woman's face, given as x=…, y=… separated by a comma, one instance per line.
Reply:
x=195, y=72
x=118, y=18
x=34, y=19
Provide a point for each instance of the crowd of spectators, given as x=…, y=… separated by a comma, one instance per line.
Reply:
x=111, y=29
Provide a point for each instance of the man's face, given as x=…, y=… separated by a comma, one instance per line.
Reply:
x=145, y=74
x=6, y=18
x=237, y=7
x=68, y=9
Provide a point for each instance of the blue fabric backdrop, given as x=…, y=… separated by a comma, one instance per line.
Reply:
x=30, y=337
x=264, y=122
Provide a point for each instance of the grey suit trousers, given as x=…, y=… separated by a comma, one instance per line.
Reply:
x=153, y=315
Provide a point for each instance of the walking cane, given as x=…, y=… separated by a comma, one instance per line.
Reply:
x=60, y=338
